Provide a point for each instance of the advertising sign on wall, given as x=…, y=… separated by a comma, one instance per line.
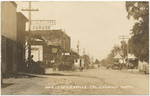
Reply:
x=42, y=24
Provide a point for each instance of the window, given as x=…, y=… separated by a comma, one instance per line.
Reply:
x=76, y=60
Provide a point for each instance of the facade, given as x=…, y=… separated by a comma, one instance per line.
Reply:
x=9, y=36
x=119, y=58
x=12, y=37
x=37, y=49
x=9, y=19
x=37, y=52
x=21, y=33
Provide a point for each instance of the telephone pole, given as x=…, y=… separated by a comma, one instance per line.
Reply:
x=83, y=51
x=124, y=37
x=29, y=33
x=78, y=47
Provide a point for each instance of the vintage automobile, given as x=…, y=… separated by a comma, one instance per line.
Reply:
x=108, y=66
x=37, y=68
x=116, y=65
x=146, y=68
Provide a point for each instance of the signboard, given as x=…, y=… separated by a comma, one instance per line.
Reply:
x=54, y=42
x=65, y=53
x=42, y=24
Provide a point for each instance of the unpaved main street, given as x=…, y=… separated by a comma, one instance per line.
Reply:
x=89, y=82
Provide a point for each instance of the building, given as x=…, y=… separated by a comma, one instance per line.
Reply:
x=54, y=42
x=55, y=38
x=132, y=61
x=8, y=36
x=12, y=38
x=21, y=33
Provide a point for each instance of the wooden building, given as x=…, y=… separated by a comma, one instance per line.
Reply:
x=12, y=37
x=8, y=36
x=54, y=43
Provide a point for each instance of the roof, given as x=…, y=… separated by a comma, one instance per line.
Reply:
x=131, y=56
x=118, y=56
x=48, y=35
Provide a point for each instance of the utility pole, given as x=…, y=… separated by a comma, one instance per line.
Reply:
x=92, y=59
x=89, y=57
x=83, y=51
x=123, y=37
x=78, y=47
x=29, y=33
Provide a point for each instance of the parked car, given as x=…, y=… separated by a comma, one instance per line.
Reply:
x=143, y=67
x=108, y=66
x=116, y=65
x=37, y=68
x=146, y=69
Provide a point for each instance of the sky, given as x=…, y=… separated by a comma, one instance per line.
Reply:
x=96, y=24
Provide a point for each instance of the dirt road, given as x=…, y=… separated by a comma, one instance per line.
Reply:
x=89, y=82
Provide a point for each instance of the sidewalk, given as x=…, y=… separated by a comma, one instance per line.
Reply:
x=132, y=71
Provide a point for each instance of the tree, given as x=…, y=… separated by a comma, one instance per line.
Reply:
x=139, y=42
x=116, y=49
x=103, y=62
x=96, y=61
x=86, y=60
x=124, y=48
x=109, y=60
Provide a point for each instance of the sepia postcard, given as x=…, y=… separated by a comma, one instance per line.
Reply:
x=74, y=47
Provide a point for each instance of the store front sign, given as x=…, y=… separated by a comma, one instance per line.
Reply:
x=42, y=24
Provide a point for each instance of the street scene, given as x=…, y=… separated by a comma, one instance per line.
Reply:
x=75, y=48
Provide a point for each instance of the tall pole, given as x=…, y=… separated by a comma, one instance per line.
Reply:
x=83, y=51
x=123, y=39
x=78, y=47
x=127, y=54
x=29, y=41
x=29, y=33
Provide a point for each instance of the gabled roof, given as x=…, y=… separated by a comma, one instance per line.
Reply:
x=131, y=56
x=118, y=56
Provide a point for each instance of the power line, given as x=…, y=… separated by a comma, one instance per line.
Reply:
x=123, y=37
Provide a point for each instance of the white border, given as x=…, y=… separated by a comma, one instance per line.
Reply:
x=74, y=0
